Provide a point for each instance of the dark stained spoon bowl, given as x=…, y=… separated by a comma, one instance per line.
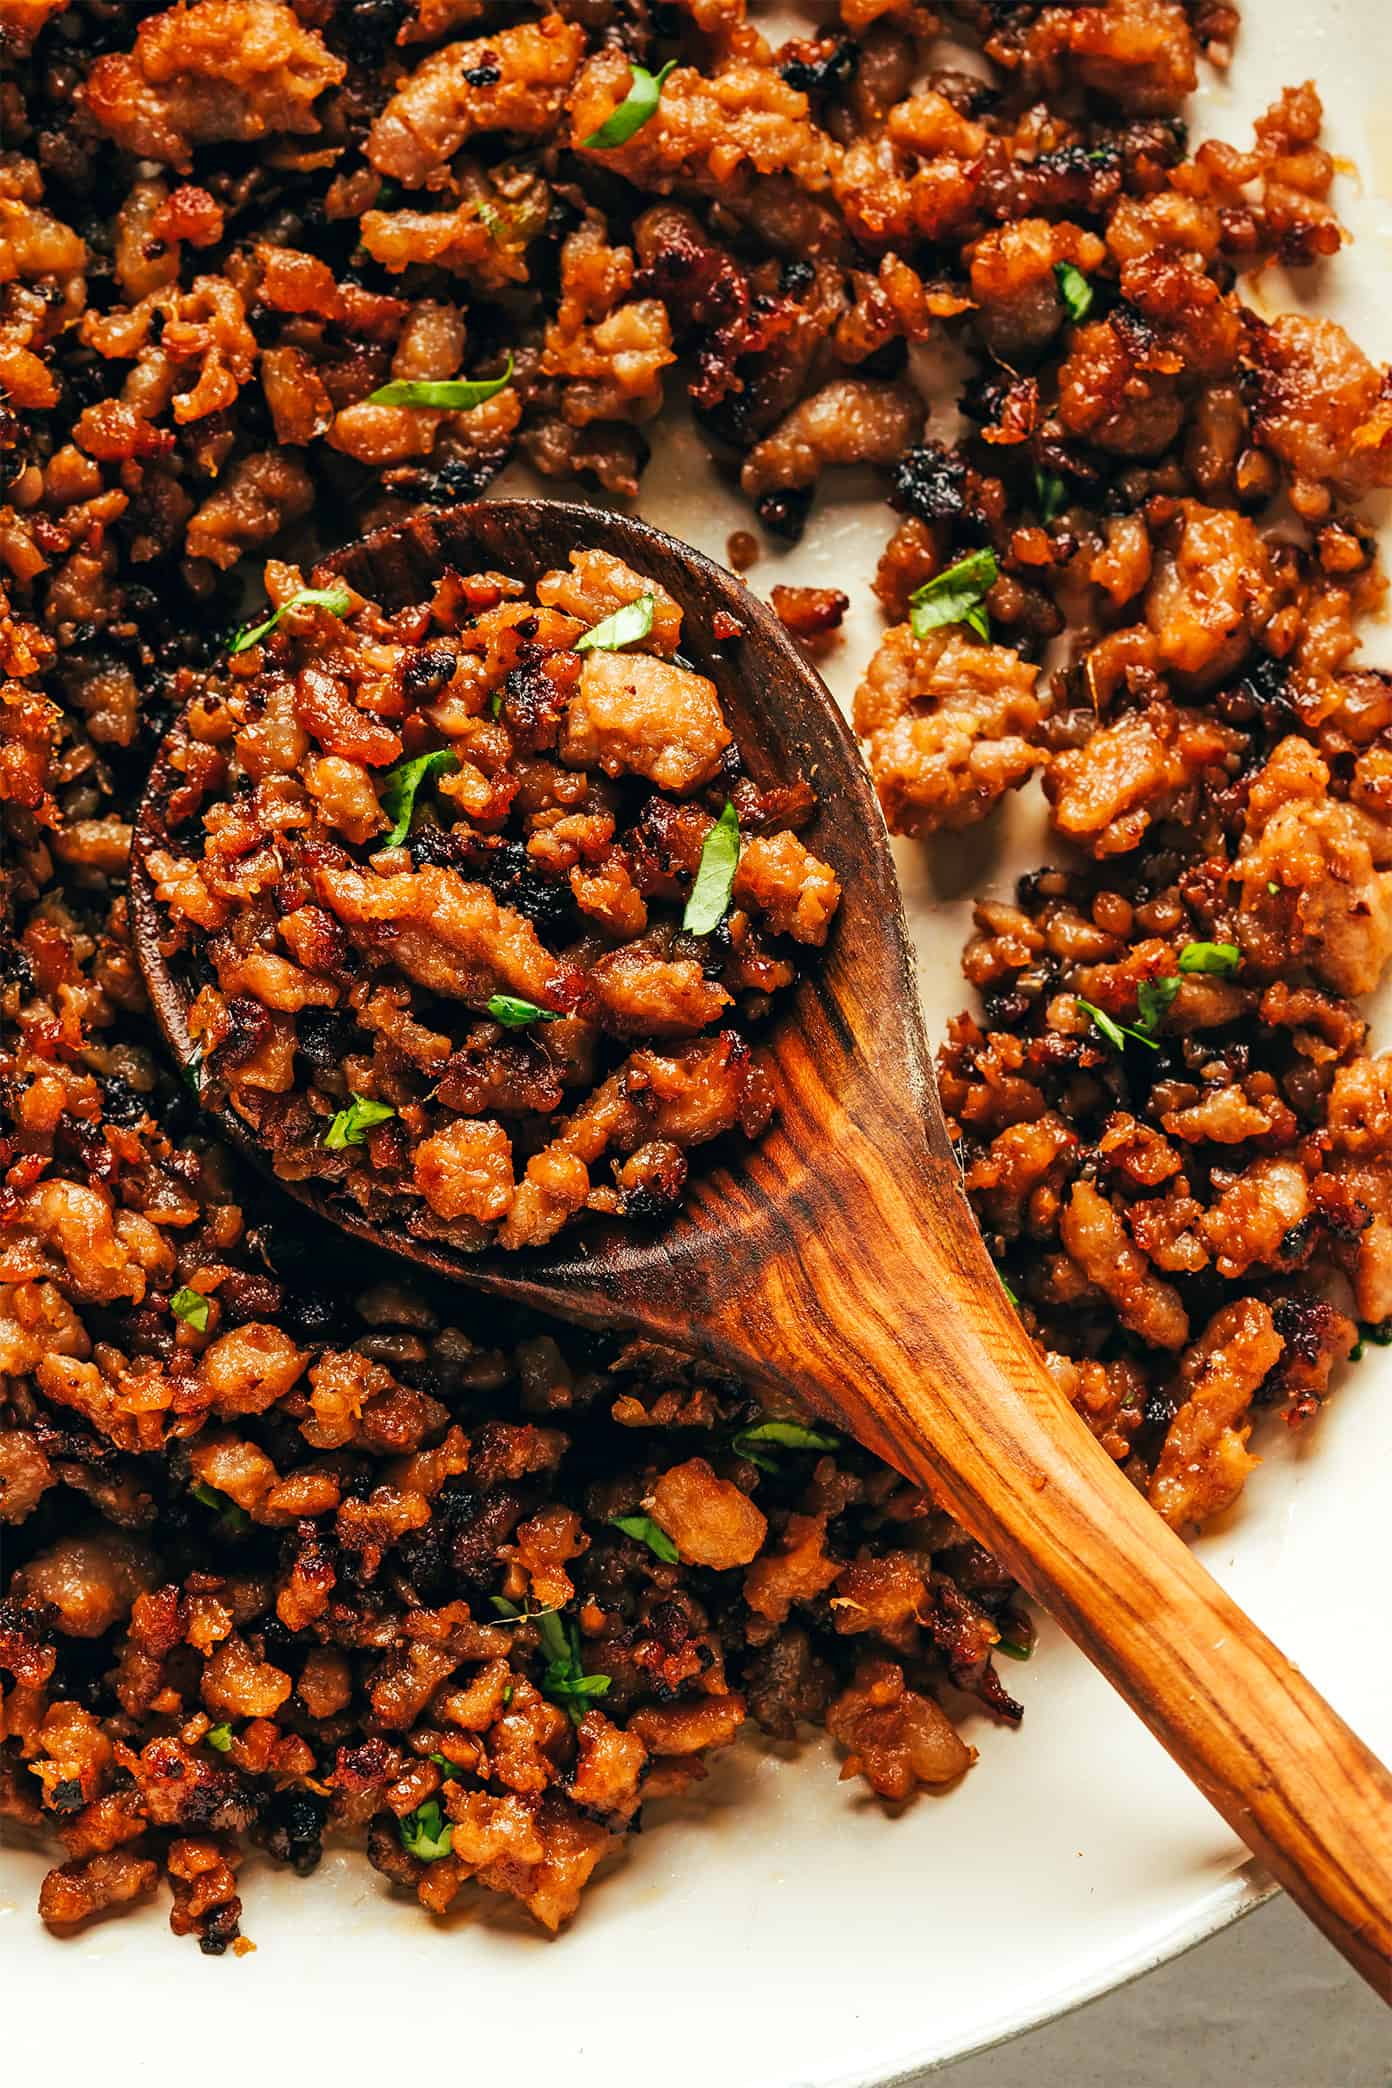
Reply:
x=837, y=1259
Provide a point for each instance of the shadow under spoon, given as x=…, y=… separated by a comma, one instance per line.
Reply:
x=837, y=1261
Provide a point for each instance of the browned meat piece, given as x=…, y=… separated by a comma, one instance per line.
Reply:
x=1323, y=411
x=91, y=1579
x=1204, y=1463
x=708, y=1519
x=895, y=1738
x=948, y=725
x=514, y=81
x=1314, y=889
x=217, y=70
x=647, y=717
x=852, y=421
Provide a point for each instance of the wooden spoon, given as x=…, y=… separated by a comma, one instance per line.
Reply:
x=837, y=1261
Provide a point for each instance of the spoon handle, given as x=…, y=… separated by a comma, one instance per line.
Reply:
x=893, y=1322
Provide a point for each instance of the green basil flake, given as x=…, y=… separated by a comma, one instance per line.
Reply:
x=565, y=1681
x=338, y=600
x=192, y=1308
x=351, y=1125
x=1050, y=494
x=760, y=1443
x=1115, y=1032
x=445, y=394
x=516, y=1014
x=715, y=876
x=1074, y=289
x=1210, y=957
x=230, y=1516
x=625, y=627
x=425, y=1833
x=633, y=111
x=400, y=785
x=956, y=595
x=509, y=1613
x=220, y=1737
x=1153, y=997
x=646, y=1531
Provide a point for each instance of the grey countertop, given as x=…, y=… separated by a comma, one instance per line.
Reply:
x=1266, y=2004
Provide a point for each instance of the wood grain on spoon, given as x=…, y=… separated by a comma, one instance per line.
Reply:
x=837, y=1260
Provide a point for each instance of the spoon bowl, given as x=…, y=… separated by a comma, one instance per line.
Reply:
x=837, y=1260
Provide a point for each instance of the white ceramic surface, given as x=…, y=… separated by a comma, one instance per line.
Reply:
x=779, y=1931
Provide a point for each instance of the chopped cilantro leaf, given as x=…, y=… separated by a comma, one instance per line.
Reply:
x=715, y=875
x=192, y=1308
x=516, y=1014
x=400, y=785
x=351, y=1125
x=625, y=627
x=1074, y=289
x=1223, y=958
x=445, y=394
x=230, y=1516
x=425, y=1833
x=638, y=105
x=646, y=1531
x=761, y=1443
x=1115, y=1032
x=338, y=600
x=956, y=595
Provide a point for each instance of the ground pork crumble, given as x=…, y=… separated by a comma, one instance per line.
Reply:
x=294, y=1547
x=467, y=897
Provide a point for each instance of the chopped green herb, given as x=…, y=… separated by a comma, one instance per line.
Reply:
x=445, y=394
x=193, y=1069
x=507, y=1696
x=442, y=1761
x=633, y=111
x=565, y=1681
x=352, y=1124
x=1273, y=889
x=516, y=1014
x=492, y=220
x=509, y=1613
x=220, y=1737
x=400, y=785
x=956, y=595
x=625, y=627
x=760, y=1443
x=1115, y=1032
x=1008, y=1291
x=1074, y=289
x=338, y=600
x=715, y=875
x=646, y=1531
x=1050, y=494
x=1210, y=957
x=192, y=1308
x=425, y=1833
x=495, y=704
x=1011, y=1650
x=1153, y=997
x=230, y=1516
